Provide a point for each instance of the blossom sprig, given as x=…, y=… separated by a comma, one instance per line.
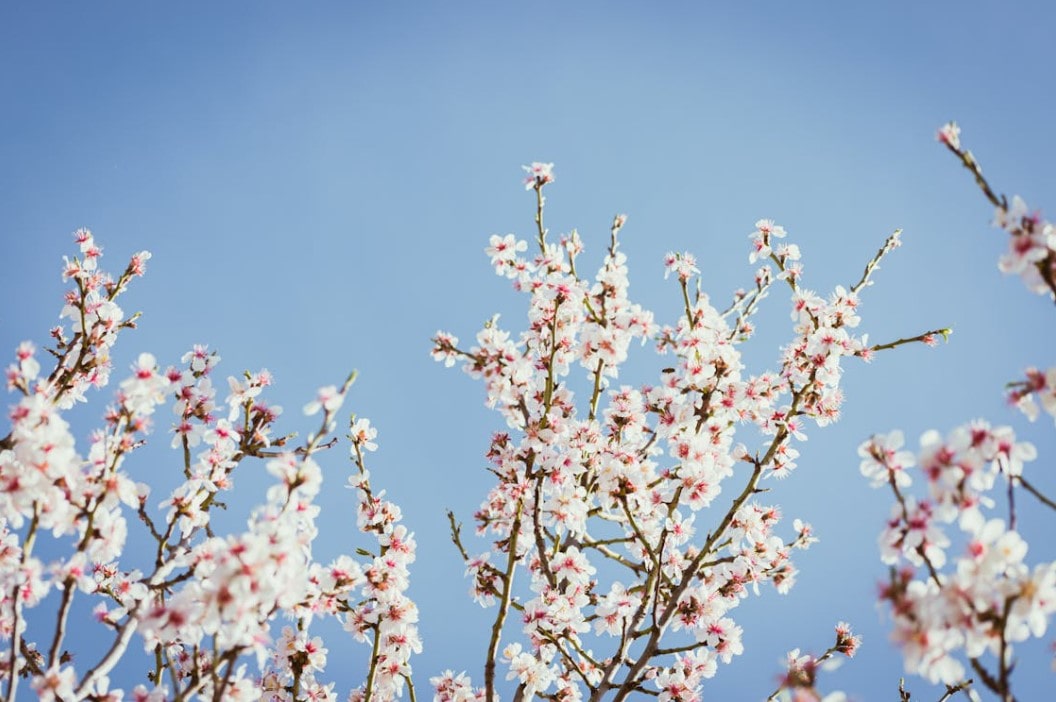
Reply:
x=762, y=239
x=539, y=175
x=988, y=598
x=1032, y=254
x=1032, y=239
x=798, y=682
x=205, y=602
x=607, y=500
x=95, y=320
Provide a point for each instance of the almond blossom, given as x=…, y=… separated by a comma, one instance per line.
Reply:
x=205, y=607
x=604, y=509
x=990, y=597
x=1032, y=239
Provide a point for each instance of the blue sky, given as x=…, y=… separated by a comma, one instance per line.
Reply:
x=317, y=184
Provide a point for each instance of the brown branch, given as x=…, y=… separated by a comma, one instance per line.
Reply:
x=504, y=606
x=927, y=338
x=456, y=535
x=1035, y=492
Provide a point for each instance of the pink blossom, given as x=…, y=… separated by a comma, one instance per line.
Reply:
x=539, y=174
x=950, y=134
x=327, y=399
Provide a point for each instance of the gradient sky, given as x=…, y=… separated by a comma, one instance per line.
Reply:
x=317, y=183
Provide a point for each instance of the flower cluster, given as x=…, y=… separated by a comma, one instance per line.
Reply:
x=987, y=597
x=95, y=319
x=204, y=602
x=539, y=174
x=801, y=669
x=1039, y=387
x=606, y=493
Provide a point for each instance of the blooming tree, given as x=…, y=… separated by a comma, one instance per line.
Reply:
x=987, y=598
x=625, y=525
x=203, y=603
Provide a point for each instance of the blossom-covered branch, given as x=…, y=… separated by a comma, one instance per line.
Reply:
x=1032, y=239
x=990, y=599
x=610, y=509
x=204, y=602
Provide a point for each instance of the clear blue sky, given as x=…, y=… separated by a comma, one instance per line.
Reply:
x=317, y=183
